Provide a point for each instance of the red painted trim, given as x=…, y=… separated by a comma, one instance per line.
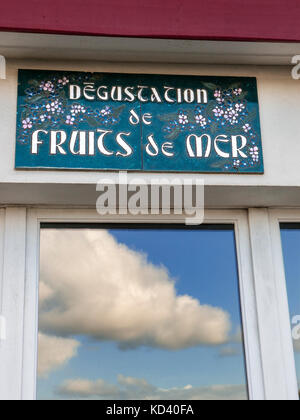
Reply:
x=238, y=20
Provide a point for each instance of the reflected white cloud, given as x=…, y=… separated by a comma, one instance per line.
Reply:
x=296, y=345
x=230, y=351
x=80, y=388
x=54, y=353
x=134, y=388
x=238, y=337
x=92, y=285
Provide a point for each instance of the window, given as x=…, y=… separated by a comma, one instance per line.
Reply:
x=290, y=234
x=139, y=312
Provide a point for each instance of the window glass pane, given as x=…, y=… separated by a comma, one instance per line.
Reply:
x=139, y=313
x=290, y=234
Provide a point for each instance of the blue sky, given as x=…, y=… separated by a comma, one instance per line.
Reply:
x=203, y=266
x=291, y=251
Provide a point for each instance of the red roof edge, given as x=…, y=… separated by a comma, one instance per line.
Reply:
x=224, y=20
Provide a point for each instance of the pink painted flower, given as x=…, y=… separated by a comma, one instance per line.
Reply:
x=27, y=124
x=201, y=120
x=64, y=81
x=247, y=128
x=254, y=152
x=218, y=112
x=239, y=107
x=105, y=111
x=238, y=92
x=217, y=94
x=231, y=116
x=183, y=119
x=47, y=86
x=70, y=120
x=54, y=107
x=77, y=109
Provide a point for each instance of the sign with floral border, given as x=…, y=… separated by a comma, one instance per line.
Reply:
x=159, y=123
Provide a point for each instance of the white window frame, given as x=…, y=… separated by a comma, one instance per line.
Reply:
x=237, y=218
x=263, y=344
x=276, y=217
x=12, y=268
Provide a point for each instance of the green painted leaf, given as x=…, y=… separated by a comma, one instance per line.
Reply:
x=210, y=86
x=34, y=99
x=173, y=135
x=168, y=117
x=92, y=121
x=118, y=111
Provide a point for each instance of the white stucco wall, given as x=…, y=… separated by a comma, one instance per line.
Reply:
x=279, y=112
x=258, y=249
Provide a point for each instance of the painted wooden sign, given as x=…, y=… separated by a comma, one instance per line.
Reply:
x=160, y=123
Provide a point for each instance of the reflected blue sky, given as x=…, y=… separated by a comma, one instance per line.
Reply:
x=202, y=263
x=291, y=253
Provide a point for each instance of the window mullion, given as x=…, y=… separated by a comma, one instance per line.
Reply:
x=276, y=377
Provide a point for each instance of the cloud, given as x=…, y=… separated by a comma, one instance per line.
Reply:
x=54, y=352
x=296, y=345
x=129, y=388
x=238, y=337
x=92, y=285
x=134, y=388
x=80, y=388
x=229, y=351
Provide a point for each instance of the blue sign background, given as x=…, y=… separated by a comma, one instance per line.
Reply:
x=231, y=110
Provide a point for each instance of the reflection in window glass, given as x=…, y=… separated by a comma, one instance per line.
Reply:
x=291, y=249
x=139, y=313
